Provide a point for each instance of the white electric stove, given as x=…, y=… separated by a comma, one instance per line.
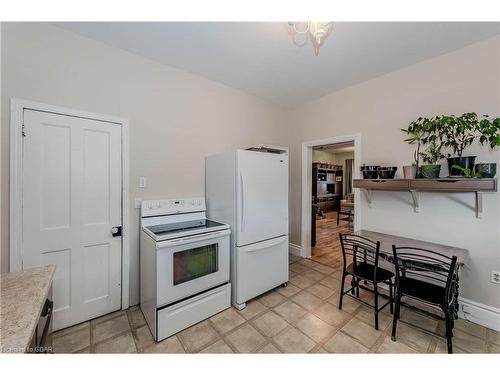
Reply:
x=184, y=265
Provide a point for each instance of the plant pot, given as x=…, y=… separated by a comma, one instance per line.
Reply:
x=487, y=170
x=430, y=170
x=386, y=172
x=369, y=171
x=464, y=162
x=409, y=171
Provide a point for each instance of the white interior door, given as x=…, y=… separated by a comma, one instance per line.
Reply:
x=262, y=196
x=71, y=201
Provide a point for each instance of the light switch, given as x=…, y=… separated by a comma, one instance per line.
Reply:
x=142, y=182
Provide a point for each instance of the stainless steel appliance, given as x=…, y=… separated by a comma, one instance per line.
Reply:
x=184, y=265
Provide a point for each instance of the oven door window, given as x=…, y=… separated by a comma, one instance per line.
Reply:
x=194, y=263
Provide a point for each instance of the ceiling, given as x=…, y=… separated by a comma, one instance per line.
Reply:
x=261, y=59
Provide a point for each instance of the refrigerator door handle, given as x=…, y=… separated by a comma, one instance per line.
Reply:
x=242, y=197
x=268, y=244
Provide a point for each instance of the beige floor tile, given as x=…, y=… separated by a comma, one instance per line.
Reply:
x=169, y=345
x=298, y=268
x=293, y=258
x=72, y=341
x=121, y=344
x=332, y=283
x=321, y=291
x=367, y=315
x=420, y=320
x=331, y=314
x=341, y=343
x=337, y=275
x=307, y=262
x=135, y=318
x=301, y=282
x=389, y=347
x=143, y=337
x=313, y=275
x=84, y=351
x=218, y=347
x=468, y=343
x=198, y=336
x=105, y=329
x=270, y=323
x=494, y=336
x=442, y=347
x=252, y=308
x=294, y=341
x=348, y=304
x=314, y=327
x=289, y=291
x=362, y=332
x=227, y=320
x=471, y=328
x=246, y=339
x=321, y=350
x=271, y=299
x=112, y=315
x=306, y=300
x=413, y=337
x=493, y=348
x=72, y=329
x=290, y=311
x=323, y=269
x=269, y=348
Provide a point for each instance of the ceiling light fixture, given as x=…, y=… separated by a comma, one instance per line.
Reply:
x=317, y=32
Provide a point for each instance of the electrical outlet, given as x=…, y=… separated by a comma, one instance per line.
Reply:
x=495, y=277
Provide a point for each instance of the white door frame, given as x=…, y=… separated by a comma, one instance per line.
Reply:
x=305, y=248
x=17, y=106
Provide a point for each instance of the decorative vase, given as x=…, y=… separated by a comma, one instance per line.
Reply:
x=487, y=170
x=431, y=170
x=409, y=171
x=464, y=162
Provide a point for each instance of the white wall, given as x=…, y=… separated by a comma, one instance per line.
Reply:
x=465, y=80
x=176, y=118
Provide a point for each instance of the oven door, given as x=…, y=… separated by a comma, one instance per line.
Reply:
x=191, y=265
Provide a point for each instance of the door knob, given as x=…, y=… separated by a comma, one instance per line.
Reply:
x=116, y=231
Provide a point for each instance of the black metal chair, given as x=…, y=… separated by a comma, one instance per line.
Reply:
x=364, y=268
x=430, y=278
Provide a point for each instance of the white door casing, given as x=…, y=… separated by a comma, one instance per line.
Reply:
x=72, y=197
x=262, y=196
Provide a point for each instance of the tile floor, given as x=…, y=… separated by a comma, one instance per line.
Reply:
x=301, y=318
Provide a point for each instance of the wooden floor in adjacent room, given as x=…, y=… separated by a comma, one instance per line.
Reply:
x=327, y=249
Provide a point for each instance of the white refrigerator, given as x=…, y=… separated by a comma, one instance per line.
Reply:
x=249, y=191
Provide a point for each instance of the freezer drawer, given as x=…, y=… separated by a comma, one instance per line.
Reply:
x=260, y=267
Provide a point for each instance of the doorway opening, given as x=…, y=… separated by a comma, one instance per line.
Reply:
x=329, y=202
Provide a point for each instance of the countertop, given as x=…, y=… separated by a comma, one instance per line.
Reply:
x=22, y=297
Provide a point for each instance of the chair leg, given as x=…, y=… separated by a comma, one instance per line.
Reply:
x=391, y=305
x=448, y=331
x=395, y=317
x=375, y=290
x=341, y=290
x=338, y=217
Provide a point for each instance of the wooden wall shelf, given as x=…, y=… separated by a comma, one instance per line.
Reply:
x=435, y=185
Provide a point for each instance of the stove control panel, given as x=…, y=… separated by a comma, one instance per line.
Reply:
x=172, y=206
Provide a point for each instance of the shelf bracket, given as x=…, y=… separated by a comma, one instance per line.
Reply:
x=368, y=196
x=414, y=195
x=479, y=204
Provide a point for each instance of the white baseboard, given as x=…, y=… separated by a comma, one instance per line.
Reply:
x=295, y=249
x=476, y=312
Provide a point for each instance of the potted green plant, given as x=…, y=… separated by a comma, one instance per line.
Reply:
x=431, y=156
x=415, y=132
x=459, y=132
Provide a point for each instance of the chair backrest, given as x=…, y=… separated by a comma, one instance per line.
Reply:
x=361, y=249
x=425, y=265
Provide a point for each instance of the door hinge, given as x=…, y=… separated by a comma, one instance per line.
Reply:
x=23, y=131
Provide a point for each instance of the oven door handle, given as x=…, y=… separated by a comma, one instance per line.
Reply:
x=191, y=239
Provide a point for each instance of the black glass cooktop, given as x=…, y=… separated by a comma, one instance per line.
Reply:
x=183, y=226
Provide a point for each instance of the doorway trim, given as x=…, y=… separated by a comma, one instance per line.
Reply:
x=17, y=107
x=307, y=147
